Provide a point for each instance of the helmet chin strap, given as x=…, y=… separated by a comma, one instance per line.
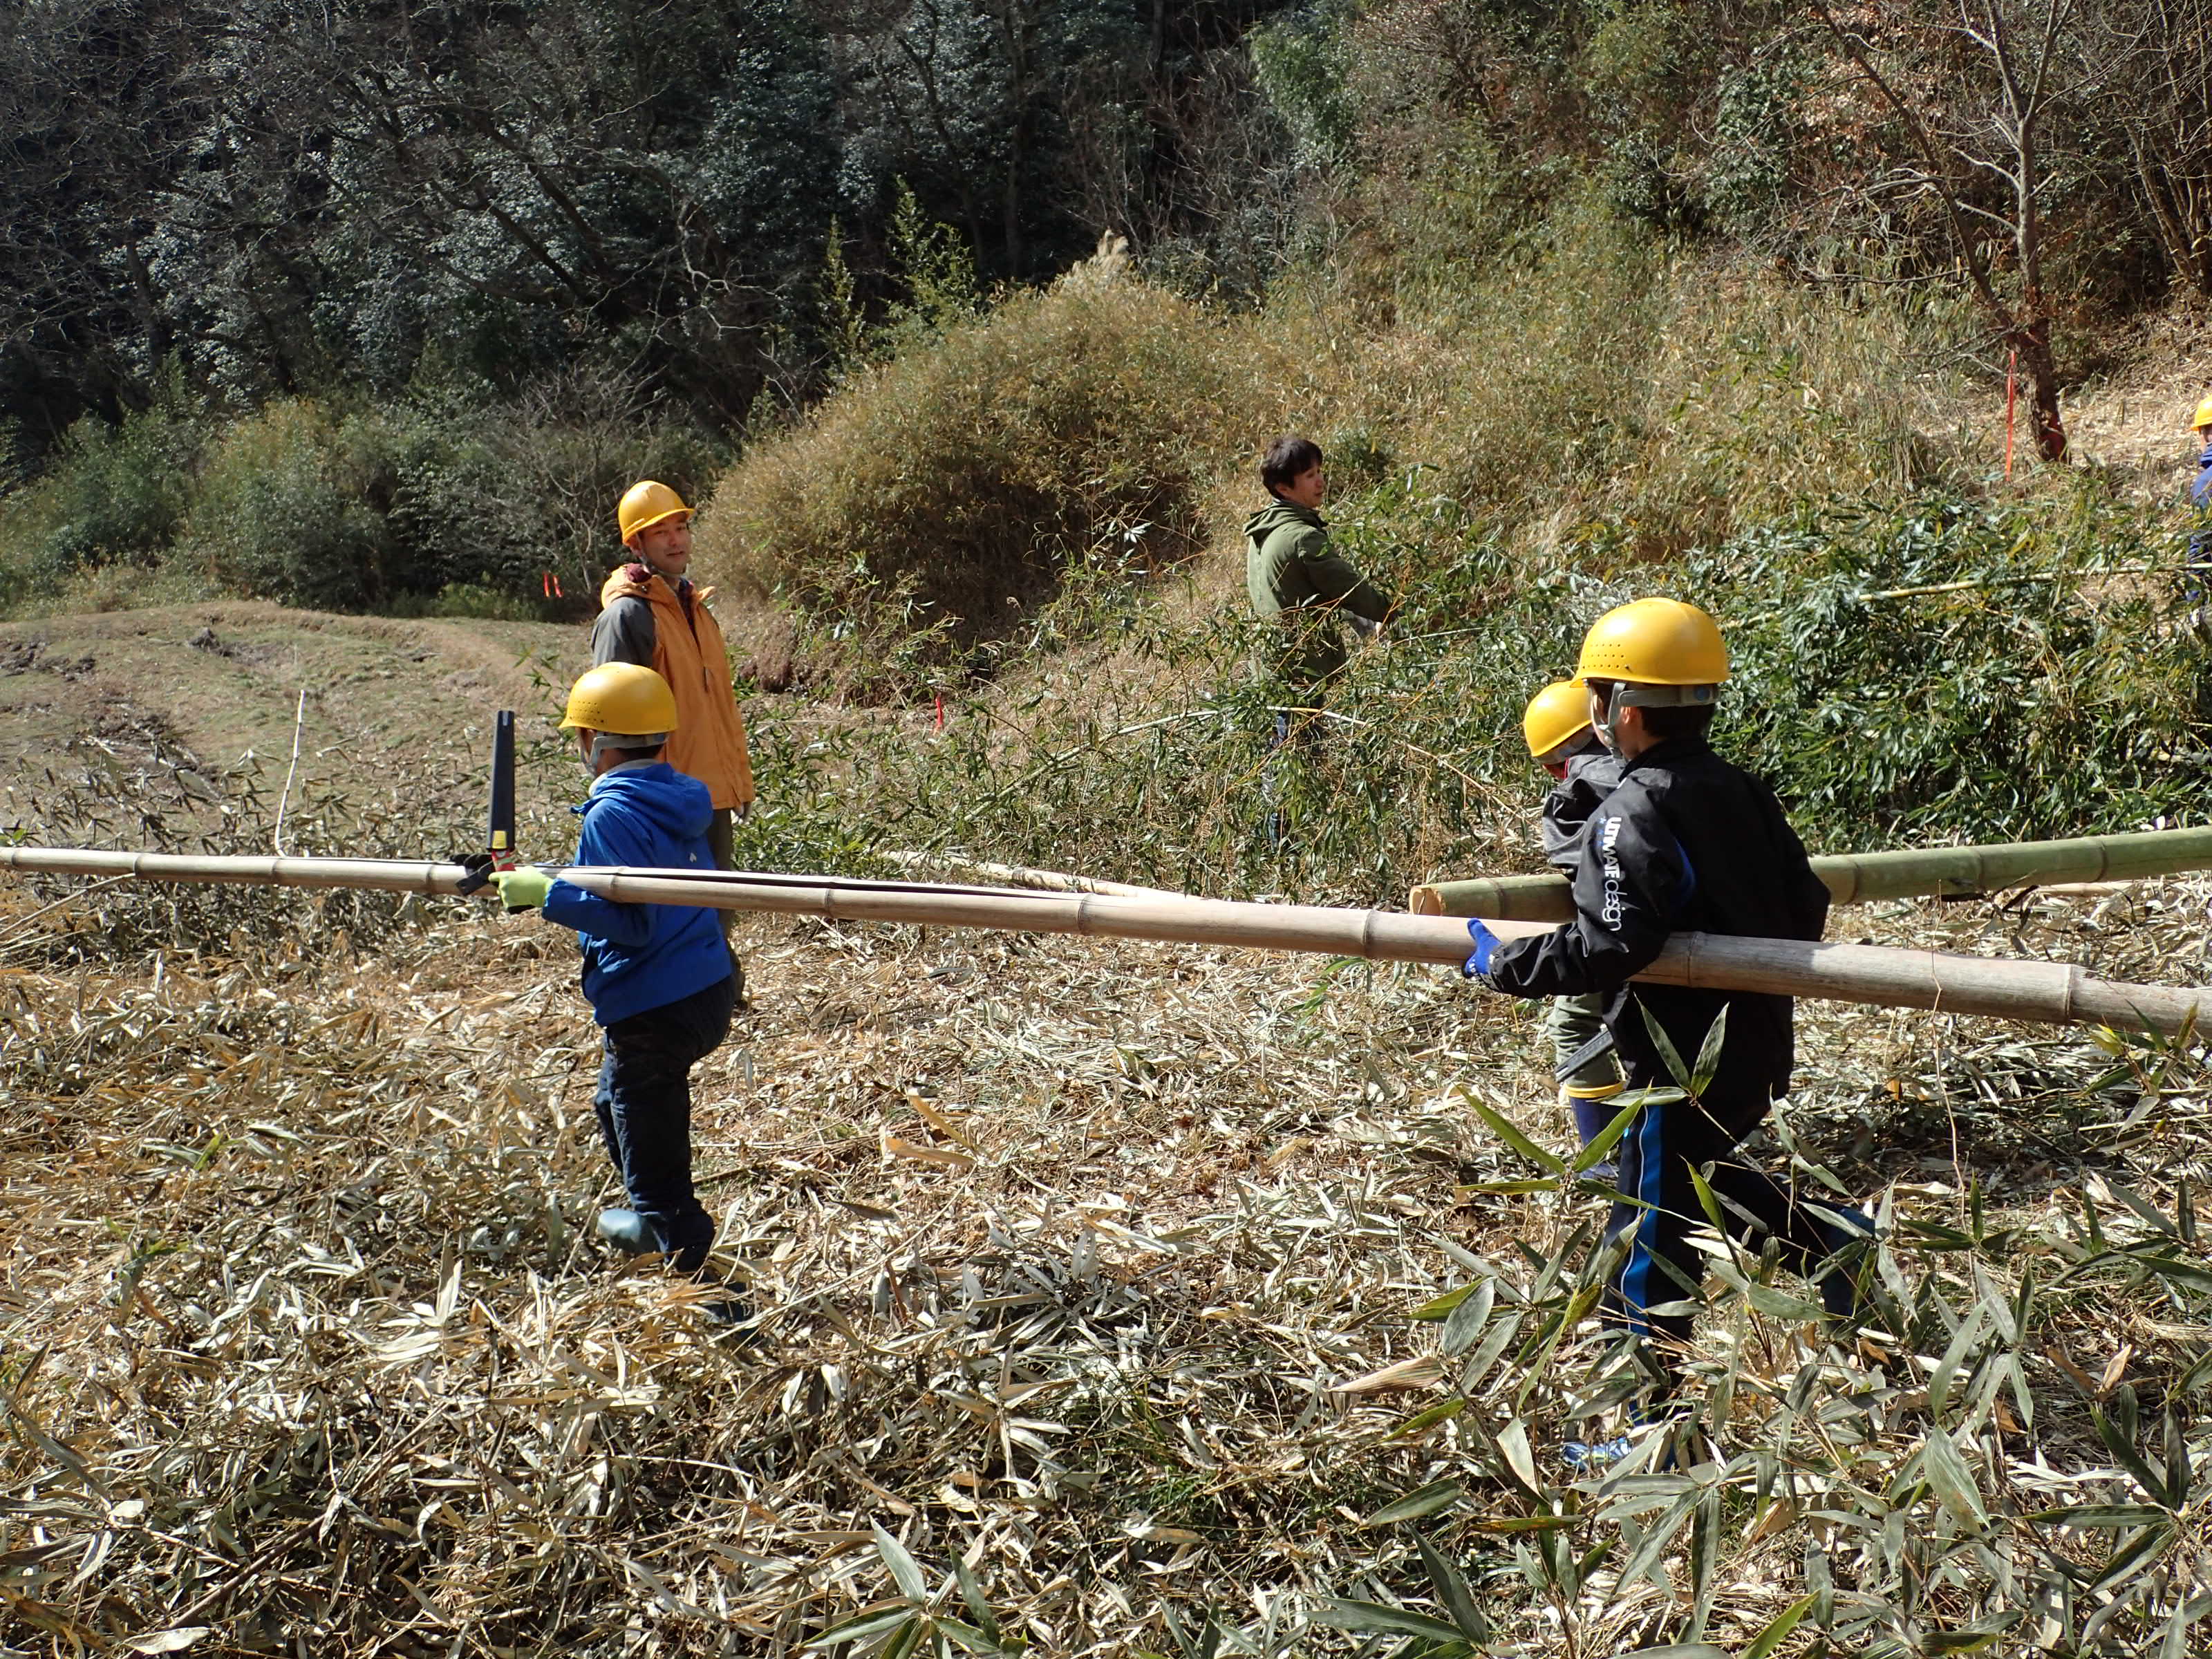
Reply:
x=1627, y=694
x=603, y=741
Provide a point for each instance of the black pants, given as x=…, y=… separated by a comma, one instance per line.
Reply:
x=721, y=847
x=1663, y=1144
x=644, y=1106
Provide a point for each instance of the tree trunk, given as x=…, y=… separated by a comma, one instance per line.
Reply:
x=2176, y=209
x=153, y=322
x=2032, y=340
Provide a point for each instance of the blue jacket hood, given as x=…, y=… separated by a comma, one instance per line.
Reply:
x=673, y=804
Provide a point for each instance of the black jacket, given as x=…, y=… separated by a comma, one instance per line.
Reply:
x=1685, y=844
x=1591, y=776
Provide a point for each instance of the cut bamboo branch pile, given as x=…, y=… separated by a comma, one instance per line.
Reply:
x=2053, y=992
x=1862, y=878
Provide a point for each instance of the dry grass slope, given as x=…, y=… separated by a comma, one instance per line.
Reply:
x=1593, y=401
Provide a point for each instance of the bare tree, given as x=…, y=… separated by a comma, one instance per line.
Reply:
x=2160, y=52
x=1973, y=86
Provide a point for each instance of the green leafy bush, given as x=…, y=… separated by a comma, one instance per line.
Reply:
x=1946, y=671
x=115, y=495
x=288, y=508
x=944, y=492
x=518, y=498
x=442, y=501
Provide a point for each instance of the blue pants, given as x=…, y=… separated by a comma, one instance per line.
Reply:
x=644, y=1107
x=1663, y=1144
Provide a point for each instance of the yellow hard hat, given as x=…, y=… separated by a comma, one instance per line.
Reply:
x=1556, y=716
x=645, y=504
x=2204, y=416
x=1654, y=642
x=621, y=699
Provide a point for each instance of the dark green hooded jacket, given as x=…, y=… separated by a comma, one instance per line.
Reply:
x=1297, y=583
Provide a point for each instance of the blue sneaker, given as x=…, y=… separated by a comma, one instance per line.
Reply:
x=1593, y=1456
x=626, y=1230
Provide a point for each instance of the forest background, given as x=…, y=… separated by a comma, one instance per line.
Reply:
x=372, y=304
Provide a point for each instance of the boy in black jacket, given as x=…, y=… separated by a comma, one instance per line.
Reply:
x=1685, y=842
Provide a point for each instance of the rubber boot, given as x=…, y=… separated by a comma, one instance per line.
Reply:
x=1591, y=1117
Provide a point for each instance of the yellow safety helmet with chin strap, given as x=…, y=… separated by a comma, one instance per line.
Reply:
x=1556, y=717
x=627, y=706
x=1652, y=654
x=645, y=504
x=2203, y=416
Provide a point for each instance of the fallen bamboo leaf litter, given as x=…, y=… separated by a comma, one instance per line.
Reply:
x=303, y=1244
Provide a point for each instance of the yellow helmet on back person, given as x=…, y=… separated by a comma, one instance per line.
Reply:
x=621, y=700
x=647, y=503
x=1556, y=717
x=2203, y=416
x=1655, y=642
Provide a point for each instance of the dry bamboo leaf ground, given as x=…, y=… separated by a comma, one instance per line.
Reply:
x=1088, y=1267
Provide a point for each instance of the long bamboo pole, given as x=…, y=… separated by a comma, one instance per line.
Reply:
x=2053, y=992
x=1860, y=878
x=381, y=875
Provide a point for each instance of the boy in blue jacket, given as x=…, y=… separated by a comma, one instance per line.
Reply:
x=658, y=976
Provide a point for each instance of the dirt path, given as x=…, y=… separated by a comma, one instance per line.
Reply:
x=145, y=706
x=224, y=678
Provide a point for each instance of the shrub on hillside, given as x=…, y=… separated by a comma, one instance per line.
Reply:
x=397, y=505
x=943, y=494
x=289, y=508
x=500, y=499
x=1590, y=399
x=115, y=495
x=1951, y=668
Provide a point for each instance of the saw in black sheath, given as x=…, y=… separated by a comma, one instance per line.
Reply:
x=499, y=833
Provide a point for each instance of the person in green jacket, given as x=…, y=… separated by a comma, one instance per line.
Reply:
x=1298, y=582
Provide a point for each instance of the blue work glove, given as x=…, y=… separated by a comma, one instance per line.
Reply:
x=1486, y=945
x=522, y=889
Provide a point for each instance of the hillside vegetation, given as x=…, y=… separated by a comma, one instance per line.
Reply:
x=1589, y=398
x=1116, y=1299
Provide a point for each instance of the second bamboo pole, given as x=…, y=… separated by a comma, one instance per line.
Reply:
x=1862, y=878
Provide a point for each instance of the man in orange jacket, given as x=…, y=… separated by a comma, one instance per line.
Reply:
x=651, y=614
